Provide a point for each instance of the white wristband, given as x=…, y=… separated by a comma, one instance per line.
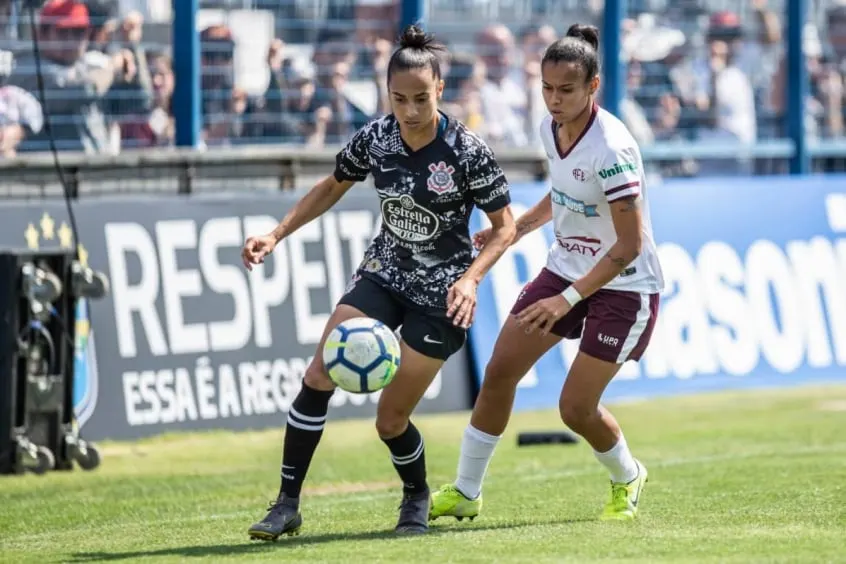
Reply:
x=572, y=295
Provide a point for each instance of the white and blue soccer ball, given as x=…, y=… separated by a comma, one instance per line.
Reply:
x=361, y=355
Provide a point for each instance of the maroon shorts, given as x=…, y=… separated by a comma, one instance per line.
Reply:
x=615, y=326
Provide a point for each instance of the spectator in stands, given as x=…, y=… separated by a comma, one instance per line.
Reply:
x=462, y=91
x=8, y=24
x=821, y=117
x=682, y=14
x=333, y=115
x=300, y=16
x=374, y=65
x=20, y=111
x=103, y=18
x=727, y=101
x=534, y=39
x=650, y=109
x=240, y=116
x=157, y=127
x=132, y=99
x=74, y=87
x=280, y=114
x=835, y=69
x=717, y=98
x=218, y=80
x=104, y=24
x=504, y=100
x=825, y=106
x=753, y=48
x=836, y=24
x=333, y=46
x=631, y=112
x=376, y=19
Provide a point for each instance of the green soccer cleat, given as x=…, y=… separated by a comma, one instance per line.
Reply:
x=449, y=502
x=625, y=497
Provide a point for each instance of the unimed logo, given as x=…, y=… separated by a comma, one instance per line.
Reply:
x=618, y=168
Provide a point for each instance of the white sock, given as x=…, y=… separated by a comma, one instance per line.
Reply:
x=477, y=449
x=619, y=461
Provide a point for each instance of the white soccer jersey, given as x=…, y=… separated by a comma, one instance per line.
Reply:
x=602, y=166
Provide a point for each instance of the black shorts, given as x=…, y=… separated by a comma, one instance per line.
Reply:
x=428, y=332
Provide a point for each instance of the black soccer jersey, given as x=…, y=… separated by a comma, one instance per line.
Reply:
x=427, y=195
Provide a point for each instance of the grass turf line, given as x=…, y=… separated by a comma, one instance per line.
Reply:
x=747, y=476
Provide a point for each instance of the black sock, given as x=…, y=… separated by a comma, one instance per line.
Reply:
x=306, y=419
x=409, y=458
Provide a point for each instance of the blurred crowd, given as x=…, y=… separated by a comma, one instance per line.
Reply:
x=701, y=71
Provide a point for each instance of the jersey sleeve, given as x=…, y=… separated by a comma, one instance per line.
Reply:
x=485, y=179
x=618, y=172
x=353, y=161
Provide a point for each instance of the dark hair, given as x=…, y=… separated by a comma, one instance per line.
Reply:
x=579, y=46
x=417, y=49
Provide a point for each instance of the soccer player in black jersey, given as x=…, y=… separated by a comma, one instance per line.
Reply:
x=429, y=171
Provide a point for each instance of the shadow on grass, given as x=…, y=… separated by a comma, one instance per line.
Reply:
x=248, y=547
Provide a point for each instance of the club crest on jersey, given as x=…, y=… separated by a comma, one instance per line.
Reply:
x=440, y=181
x=579, y=174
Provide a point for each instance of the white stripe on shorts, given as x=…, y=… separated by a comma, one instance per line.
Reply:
x=639, y=326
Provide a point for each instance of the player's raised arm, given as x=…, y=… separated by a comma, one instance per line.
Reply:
x=351, y=167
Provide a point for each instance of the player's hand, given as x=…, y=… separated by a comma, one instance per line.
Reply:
x=543, y=314
x=480, y=239
x=256, y=248
x=461, y=302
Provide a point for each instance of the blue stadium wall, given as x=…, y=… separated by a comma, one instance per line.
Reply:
x=755, y=293
x=187, y=340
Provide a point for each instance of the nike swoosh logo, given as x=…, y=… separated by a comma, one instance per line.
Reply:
x=383, y=169
x=428, y=339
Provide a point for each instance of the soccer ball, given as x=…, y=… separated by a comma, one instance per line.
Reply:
x=361, y=355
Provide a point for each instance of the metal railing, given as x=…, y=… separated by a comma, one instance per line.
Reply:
x=246, y=168
x=187, y=171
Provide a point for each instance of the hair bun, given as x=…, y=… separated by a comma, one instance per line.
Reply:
x=413, y=37
x=587, y=33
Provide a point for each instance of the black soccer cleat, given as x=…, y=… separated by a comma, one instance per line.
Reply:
x=414, y=514
x=283, y=518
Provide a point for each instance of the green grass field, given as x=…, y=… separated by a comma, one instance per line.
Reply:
x=742, y=477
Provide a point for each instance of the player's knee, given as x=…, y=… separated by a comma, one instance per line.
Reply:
x=390, y=424
x=498, y=376
x=316, y=376
x=576, y=415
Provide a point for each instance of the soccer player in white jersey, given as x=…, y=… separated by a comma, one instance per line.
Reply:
x=601, y=283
